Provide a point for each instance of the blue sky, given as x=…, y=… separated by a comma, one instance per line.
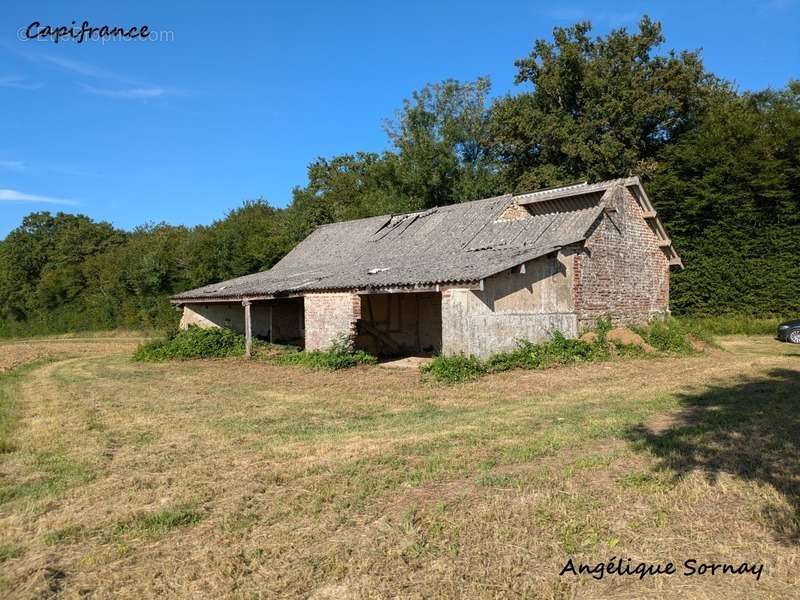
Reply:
x=239, y=97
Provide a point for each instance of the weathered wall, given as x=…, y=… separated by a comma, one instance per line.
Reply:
x=225, y=314
x=545, y=287
x=287, y=317
x=329, y=315
x=512, y=306
x=621, y=271
x=400, y=323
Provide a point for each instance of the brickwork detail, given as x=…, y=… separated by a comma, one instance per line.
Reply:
x=620, y=271
x=328, y=316
x=513, y=212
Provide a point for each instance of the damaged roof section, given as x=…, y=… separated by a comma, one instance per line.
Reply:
x=539, y=228
x=397, y=224
x=458, y=243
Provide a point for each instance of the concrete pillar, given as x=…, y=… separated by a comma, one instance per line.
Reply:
x=456, y=327
x=329, y=316
x=248, y=330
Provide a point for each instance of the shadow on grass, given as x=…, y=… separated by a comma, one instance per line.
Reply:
x=749, y=429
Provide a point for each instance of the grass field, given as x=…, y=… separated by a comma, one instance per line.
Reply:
x=233, y=479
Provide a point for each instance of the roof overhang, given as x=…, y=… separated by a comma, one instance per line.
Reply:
x=633, y=184
x=651, y=216
x=476, y=284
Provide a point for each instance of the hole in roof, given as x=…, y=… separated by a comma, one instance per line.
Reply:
x=400, y=223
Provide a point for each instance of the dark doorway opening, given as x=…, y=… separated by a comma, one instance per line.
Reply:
x=280, y=321
x=401, y=324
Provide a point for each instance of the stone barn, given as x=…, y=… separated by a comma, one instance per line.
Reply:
x=468, y=278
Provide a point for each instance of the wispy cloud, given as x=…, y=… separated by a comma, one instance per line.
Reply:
x=112, y=85
x=15, y=196
x=134, y=93
x=18, y=83
x=74, y=66
x=13, y=165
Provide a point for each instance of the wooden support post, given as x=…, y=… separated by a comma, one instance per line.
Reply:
x=270, y=323
x=248, y=329
x=419, y=343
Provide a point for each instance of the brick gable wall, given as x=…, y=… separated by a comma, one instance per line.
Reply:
x=620, y=271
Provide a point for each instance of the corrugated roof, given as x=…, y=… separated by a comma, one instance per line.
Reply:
x=449, y=244
x=572, y=190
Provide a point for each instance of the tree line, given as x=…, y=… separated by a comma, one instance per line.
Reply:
x=720, y=165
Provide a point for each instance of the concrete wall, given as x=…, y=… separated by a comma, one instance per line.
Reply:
x=400, y=323
x=287, y=318
x=621, y=271
x=511, y=307
x=328, y=316
x=545, y=287
x=224, y=314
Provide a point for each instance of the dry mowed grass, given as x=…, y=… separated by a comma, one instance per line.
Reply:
x=234, y=479
x=19, y=352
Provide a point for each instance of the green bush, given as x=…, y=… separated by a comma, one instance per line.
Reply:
x=602, y=326
x=194, y=342
x=340, y=355
x=454, y=369
x=667, y=336
x=671, y=335
x=558, y=351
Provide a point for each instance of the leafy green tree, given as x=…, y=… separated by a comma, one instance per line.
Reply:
x=41, y=267
x=598, y=108
x=442, y=138
x=346, y=187
x=441, y=155
x=250, y=238
x=729, y=191
x=131, y=284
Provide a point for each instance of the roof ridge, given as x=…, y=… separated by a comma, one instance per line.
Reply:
x=553, y=188
x=422, y=211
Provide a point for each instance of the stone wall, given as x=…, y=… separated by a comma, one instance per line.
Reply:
x=328, y=316
x=620, y=271
x=512, y=306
